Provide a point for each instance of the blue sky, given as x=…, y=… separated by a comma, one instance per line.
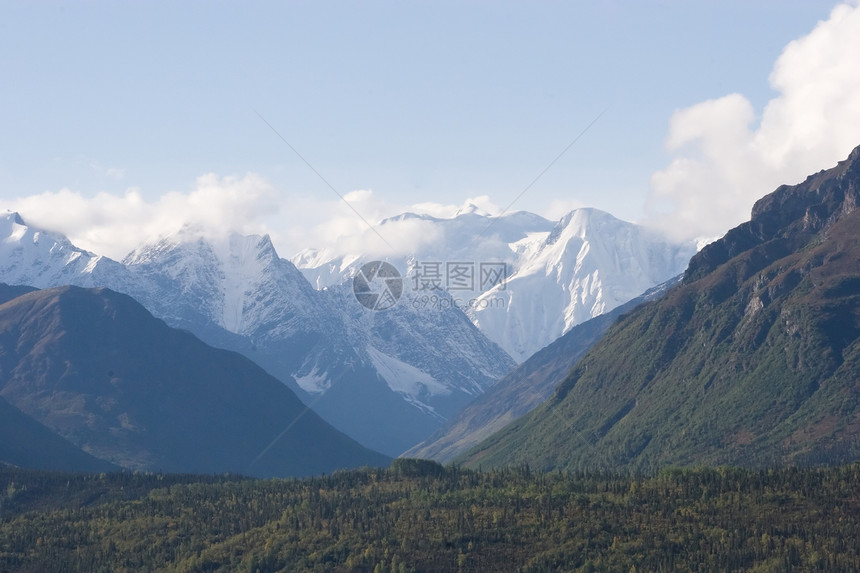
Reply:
x=119, y=119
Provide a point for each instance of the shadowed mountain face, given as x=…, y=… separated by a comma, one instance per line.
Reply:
x=26, y=443
x=96, y=368
x=753, y=360
x=8, y=292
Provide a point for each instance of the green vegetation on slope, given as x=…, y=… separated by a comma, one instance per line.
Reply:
x=521, y=390
x=753, y=361
x=419, y=516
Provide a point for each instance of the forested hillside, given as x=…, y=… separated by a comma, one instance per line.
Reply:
x=754, y=360
x=419, y=516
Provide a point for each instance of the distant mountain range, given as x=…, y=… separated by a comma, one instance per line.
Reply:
x=388, y=378
x=99, y=370
x=753, y=360
x=556, y=275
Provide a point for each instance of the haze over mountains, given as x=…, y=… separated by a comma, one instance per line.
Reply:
x=388, y=379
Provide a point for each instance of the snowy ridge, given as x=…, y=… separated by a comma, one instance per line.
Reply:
x=387, y=379
x=43, y=259
x=469, y=236
x=589, y=264
x=557, y=275
x=237, y=282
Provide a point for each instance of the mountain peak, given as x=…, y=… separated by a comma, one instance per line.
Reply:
x=262, y=243
x=12, y=227
x=471, y=209
x=407, y=216
x=32, y=256
x=14, y=217
x=193, y=238
x=854, y=155
x=791, y=213
x=579, y=223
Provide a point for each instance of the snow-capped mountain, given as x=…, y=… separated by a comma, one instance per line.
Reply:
x=453, y=357
x=369, y=373
x=523, y=280
x=238, y=283
x=587, y=265
x=386, y=378
x=44, y=259
x=469, y=236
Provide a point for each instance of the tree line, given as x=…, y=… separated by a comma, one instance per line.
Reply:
x=420, y=516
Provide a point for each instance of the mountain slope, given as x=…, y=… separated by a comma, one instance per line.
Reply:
x=9, y=292
x=236, y=293
x=753, y=360
x=524, y=388
x=238, y=283
x=434, y=360
x=26, y=443
x=98, y=369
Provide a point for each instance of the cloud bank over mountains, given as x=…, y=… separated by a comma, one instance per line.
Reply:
x=114, y=225
x=727, y=155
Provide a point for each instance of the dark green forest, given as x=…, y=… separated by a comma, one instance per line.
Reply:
x=420, y=516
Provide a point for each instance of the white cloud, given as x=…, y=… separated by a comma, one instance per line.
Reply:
x=113, y=225
x=725, y=158
x=344, y=232
x=558, y=208
x=481, y=203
